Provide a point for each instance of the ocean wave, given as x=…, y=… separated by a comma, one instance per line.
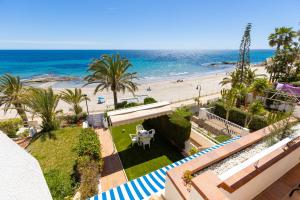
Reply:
x=178, y=73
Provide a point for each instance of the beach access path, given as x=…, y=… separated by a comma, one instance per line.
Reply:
x=113, y=173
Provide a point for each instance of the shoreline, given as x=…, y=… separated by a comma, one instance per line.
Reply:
x=59, y=82
x=165, y=90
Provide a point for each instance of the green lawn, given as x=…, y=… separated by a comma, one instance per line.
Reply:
x=56, y=155
x=137, y=161
x=222, y=138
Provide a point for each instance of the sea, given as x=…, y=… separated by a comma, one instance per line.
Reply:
x=150, y=65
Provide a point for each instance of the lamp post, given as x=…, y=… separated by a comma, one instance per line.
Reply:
x=199, y=92
x=87, y=107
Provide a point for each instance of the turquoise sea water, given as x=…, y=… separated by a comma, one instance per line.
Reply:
x=149, y=64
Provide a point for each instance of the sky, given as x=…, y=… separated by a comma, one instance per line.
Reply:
x=141, y=24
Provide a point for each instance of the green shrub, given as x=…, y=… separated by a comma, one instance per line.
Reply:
x=132, y=104
x=11, y=126
x=175, y=127
x=125, y=104
x=184, y=112
x=219, y=110
x=89, y=163
x=222, y=138
x=121, y=105
x=89, y=171
x=59, y=184
x=238, y=116
x=89, y=144
x=149, y=100
x=73, y=119
x=258, y=122
x=193, y=151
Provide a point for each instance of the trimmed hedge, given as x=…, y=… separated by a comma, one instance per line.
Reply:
x=125, y=104
x=174, y=127
x=11, y=126
x=89, y=162
x=73, y=119
x=89, y=144
x=149, y=100
x=238, y=116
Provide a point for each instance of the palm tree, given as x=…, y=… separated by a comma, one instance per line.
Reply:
x=12, y=95
x=241, y=94
x=234, y=77
x=43, y=102
x=255, y=108
x=259, y=86
x=74, y=98
x=111, y=72
x=282, y=37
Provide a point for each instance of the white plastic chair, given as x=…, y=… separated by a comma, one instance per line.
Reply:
x=134, y=139
x=151, y=133
x=145, y=141
x=139, y=127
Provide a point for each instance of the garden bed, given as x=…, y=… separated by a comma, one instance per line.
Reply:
x=240, y=157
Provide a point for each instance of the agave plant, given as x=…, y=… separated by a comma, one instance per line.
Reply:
x=74, y=98
x=13, y=94
x=43, y=103
x=111, y=72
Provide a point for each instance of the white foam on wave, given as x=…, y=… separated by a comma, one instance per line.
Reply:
x=177, y=73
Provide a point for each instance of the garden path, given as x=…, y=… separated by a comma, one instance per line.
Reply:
x=113, y=173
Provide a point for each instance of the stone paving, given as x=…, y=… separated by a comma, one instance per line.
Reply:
x=113, y=173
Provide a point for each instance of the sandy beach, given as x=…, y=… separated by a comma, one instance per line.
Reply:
x=168, y=90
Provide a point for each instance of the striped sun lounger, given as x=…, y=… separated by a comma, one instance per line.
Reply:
x=149, y=184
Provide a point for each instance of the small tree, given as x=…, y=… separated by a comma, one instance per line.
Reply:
x=43, y=102
x=229, y=98
x=259, y=86
x=13, y=94
x=187, y=179
x=281, y=130
x=255, y=108
x=74, y=98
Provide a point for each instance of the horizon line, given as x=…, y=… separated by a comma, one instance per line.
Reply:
x=131, y=49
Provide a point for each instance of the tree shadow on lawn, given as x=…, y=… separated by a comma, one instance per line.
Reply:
x=43, y=136
x=135, y=155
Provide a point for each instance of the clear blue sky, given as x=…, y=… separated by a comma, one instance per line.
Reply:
x=141, y=24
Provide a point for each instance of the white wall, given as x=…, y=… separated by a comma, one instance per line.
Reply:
x=20, y=174
x=202, y=140
x=266, y=178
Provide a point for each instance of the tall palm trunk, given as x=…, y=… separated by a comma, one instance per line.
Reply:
x=21, y=113
x=115, y=98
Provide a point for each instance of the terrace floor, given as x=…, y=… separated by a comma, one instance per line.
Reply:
x=281, y=189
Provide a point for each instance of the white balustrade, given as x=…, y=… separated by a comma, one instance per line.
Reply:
x=204, y=114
